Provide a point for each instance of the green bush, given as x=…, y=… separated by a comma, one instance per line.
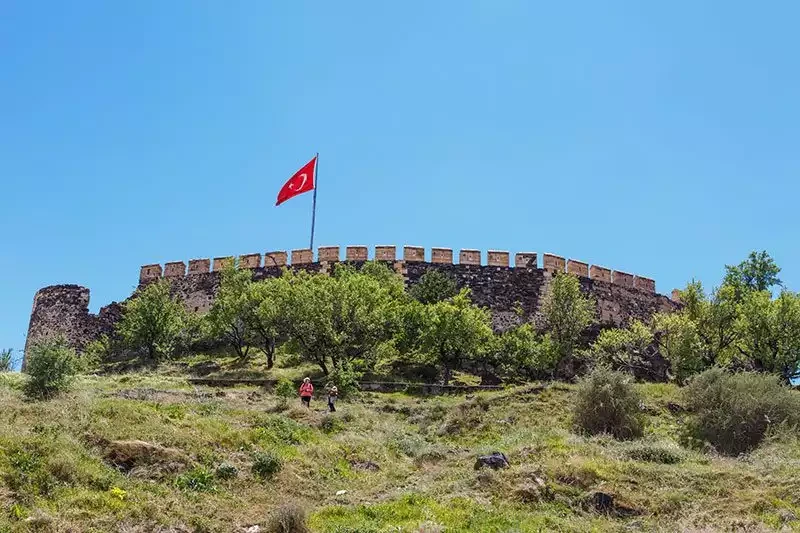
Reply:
x=734, y=412
x=199, y=479
x=288, y=518
x=226, y=471
x=607, y=402
x=51, y=366
x=654, y=452
x=266, y=465
x=285, y=389
x=6, y=360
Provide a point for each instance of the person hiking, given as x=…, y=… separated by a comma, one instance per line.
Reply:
x=333, y=395
x=306, y=392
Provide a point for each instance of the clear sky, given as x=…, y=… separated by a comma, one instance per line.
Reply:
x=660, y=140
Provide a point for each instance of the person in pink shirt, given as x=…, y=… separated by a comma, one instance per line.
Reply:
x=306, y=392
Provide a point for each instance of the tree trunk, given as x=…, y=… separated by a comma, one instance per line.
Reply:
x=269, y=350
x=447, y=373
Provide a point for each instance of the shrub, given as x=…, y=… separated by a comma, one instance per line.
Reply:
x=607, y=402
x=330, y=423
x=51, y=366
x=199, y=479
x=226, y=471
x=654, y=452
x=734, y=412
x=6, y=360
x=266, y=465
x=285, y=390
x=288, y=518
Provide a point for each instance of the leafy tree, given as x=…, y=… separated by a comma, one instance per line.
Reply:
x=679, y=343
x=769, y=332
x=153, y=321
x=268, y=316
x=434, y=286
x=567, y=312
x=623, y=349
x=51, y=366
x=523, y=352
x=343, y=317
x=715, y=320
x=455, y=330
x=231, y=315
x=6, y=360
x=758, y=272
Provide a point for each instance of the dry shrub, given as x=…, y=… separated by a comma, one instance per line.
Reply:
x=288, y=518
x=607, y=402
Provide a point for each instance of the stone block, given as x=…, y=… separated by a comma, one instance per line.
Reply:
x=149, y=273
x=442, y=256
x=599, y=273
x=199, y=266
x=357, y=253
x=275, y=259
x=526, y=260
x=175, y=269
x=385, y=253
x=622, y=279
x=413, y=254
x=644, y=284
x=469, y=257
x=497, y=258
x=329, y=254
x=579, y=268
x=302, y=256
x=250, y=261
x=221, y=263
x=676, y=295
x=554, y=263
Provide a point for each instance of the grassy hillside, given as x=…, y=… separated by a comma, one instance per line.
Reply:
x=384, y=462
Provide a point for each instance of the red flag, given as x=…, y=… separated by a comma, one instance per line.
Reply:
x=304, y=180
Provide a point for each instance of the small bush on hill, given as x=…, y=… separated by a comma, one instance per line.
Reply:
x=266, y=465
x=199, y=479
x=6, y=360
x=734, y=412
x=51, y=366
x=607, y=402
x=654, y=452
x=288, y=518
x=226, y=471
x=285, y=391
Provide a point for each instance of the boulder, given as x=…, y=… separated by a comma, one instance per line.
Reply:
x=494, y=460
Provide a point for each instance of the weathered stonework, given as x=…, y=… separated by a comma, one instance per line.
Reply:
x=221, y=263
x=357, y=253
x=413, y=253
x=526, y=260
x=443, y=256
x=175, y=269
x=512, y=294
x=554, y=263
x=385, y=253
x=329, y=254
x=600, y=273
x=469, y=257
x=579, y=268
x=497, y=258
x=250, y=261
x=275, y=259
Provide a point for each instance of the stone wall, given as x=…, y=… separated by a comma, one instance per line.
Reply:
x=513, y=294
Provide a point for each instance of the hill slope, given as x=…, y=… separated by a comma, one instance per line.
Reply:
x=406, y=464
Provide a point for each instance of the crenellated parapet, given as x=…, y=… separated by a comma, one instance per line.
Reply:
x=411, y=254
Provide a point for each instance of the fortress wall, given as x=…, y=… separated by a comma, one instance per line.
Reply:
x=512, y=294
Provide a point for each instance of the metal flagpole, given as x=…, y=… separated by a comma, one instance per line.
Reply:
x=314, y=207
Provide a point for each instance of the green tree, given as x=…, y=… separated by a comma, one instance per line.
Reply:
x=51, y=367
x=623, y=349
x=434, y=286
x=769, y=332
x=233, y=310
x=567, y=312
x=454, y=331
x=521, y=351
x=153, y=321
x=343, y=317
x=758, y=272
x=679, y=343
x=715, y=321
x=267, y=320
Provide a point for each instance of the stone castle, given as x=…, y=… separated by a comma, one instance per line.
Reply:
x=512, y=293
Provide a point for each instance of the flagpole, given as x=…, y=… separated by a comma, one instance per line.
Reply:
x=314, y=205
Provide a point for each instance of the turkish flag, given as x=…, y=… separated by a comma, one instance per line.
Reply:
x=304, y=180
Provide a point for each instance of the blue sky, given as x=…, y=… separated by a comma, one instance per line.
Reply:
x=657, y=139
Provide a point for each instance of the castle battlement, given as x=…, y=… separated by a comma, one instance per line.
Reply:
x=410, y=254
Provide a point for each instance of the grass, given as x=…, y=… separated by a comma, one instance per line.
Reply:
x=383, y=462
